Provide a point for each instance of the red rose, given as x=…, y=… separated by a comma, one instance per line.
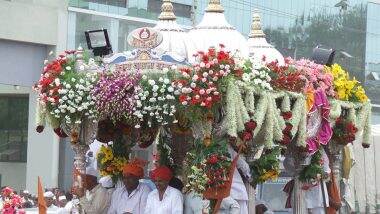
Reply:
x=285, y=140
x=222, y=56
x=288, y=128
x=194, y=101
x=211, y=52
x=182, y=98
x=246, y=136
x=40, y=129
x=56, y=67
x=287, y=115
x=185, y=70
x=250, y=125
x=351, y=128
x=205, y=59
x=208, y=103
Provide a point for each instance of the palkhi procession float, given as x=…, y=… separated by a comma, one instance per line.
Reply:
x=205, y=99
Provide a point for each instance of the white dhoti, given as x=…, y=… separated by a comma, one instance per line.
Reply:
x=243, y=207
x=318, y=210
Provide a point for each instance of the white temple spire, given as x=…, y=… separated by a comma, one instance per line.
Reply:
x=256, y=29
x=214, y=6
x=167, y=11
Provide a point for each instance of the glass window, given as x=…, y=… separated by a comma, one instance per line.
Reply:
x=13, y=128
x=149, y=9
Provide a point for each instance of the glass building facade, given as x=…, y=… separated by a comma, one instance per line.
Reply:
x=294, y=27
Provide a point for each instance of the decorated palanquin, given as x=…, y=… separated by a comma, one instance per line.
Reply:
x=191, y=97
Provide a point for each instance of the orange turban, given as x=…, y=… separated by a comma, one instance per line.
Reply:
x=134, y=167
x=161, y=172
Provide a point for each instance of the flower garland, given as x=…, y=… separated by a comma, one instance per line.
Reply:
x=267, y=167
x=347, y=90
x=286, y=114
x=12, y=203
x=156, y=100
x=115, y=95
x=207, y=167
x=164, y=156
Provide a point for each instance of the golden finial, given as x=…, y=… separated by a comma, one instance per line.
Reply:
x=256, y=30
x=214, y=6
x=167, y=11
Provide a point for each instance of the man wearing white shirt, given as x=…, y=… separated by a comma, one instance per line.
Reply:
x=131, y=197
x=49, y=198
x=165, y=199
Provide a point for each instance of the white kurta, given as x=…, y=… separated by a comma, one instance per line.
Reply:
x=134, y=203
x=314, y=195
x=238, y=189
x=96, y=201
x=172, y=202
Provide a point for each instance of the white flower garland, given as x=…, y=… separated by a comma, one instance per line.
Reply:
x=156, y=100
x=279, y=122
x=230, y=121
x=241, y=111
x=260, y=112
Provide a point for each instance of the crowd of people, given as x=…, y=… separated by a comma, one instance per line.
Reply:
x=54, y=197
x=159, y=193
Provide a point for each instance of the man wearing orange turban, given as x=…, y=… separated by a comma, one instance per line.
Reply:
x=165, y=199
x=132, y=196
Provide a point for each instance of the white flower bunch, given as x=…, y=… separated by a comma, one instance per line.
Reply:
x=155, y=101
x=258, y=77
x=75, y=101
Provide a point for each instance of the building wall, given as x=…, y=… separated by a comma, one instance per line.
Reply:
x=31, y=20
x=13, y=175
x=30, y=30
